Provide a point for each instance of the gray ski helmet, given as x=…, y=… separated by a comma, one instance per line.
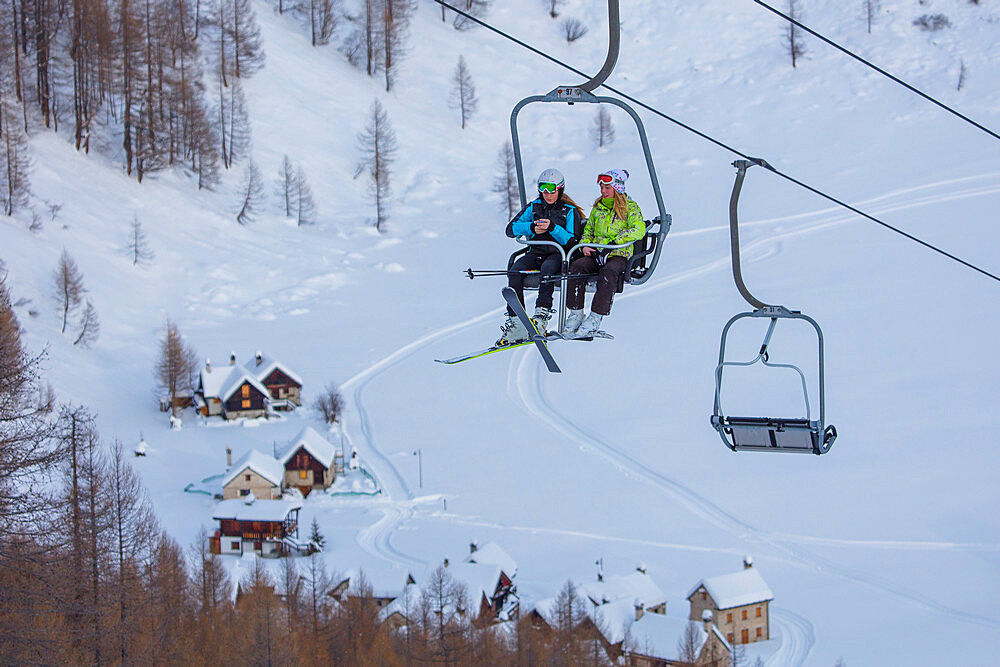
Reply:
x=552, y=176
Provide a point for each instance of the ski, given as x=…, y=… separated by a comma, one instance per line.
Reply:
x=510, y=296
x=491, y=350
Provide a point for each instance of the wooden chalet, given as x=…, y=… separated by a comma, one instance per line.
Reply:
x=230, y=392
x=283, y=385
x=308, y=462
x=268, y=528
x=739, y=602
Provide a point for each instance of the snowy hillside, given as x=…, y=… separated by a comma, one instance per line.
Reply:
x=884, y=551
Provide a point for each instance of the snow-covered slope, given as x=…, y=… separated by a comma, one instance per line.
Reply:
x=883, y=552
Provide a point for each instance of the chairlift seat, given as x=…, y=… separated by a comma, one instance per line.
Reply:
x=775, y=434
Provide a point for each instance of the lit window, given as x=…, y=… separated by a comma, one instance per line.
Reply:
x=246, y=390
x=303, y=474
x=246, y=403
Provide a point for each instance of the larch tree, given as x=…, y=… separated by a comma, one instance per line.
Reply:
x=324, y=16
x=88, y=326
x=476, y=8
x=463, y=92
x=446, y=600
x=603, y=130
x=16, y=163
x=505, y=182
x=573, y=29
x=378, y=146
x=176, y=365
x=393, y=30
x=305, y=206
x=871, y=9
x=138, y=245
x=69, y=289
x=793, y=35
x=286, y=188
x=688, y=644
x=554, y=6
x=363, y=46
x=252, y=194
x=317, y=587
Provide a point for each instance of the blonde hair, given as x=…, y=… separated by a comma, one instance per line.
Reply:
x=566, y=199
x=620, y=207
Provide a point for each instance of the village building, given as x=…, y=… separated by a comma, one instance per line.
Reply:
x=268, y=528
x=637, y=585
x=253, y=474
x=383, y=587
x=656, y=640
x=739, y=602
x=283, y=385
x=308, y=462
x=230, y=392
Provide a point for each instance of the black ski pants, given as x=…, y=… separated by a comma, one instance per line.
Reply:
x=607, y=282
x=549, y=264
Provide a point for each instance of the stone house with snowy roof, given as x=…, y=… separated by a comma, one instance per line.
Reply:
x=636, y=586
x=656, y=640
x=283, y=385
x=230, y=392
x=739, y=602
x=269, y=528
x=254, y=474
x=308, y=462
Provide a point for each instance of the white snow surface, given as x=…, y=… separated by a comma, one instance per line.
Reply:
x=888, y=536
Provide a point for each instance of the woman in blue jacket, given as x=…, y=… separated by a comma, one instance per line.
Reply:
x=554, y=216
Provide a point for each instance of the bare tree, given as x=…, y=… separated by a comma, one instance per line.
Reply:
x=69, y=289
x=446, y=604
x=286, y=188
x=138, y=245
x=234, y=123
x=324, y=15
x=554, y=6
x=688, y=644
x=176, y=365
x=378, y=150
x=476, y=8
x=362, y=46
x=505, y=182
x=463, y=93
x=793, y=37
x=291, y=592
x=393, y=32
x=573, y=29
x=89, y=326
x=317, y=587
x=253, y=194
x=962, y=73
x=330, y=403
x=871, y=8
x=16, y=163
x=603, y=130
x=305, y=206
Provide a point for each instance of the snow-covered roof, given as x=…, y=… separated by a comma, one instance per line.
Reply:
x=405, y=605
x=547, y=608
x=262, y=464
x=637, y=585
x=221, y=382
x=735, y=590
x=258, y=510
x=267, y=364
x=318, y=446
x=491, y=554
x=479, y=578
x=615, y=618
x=659, y=636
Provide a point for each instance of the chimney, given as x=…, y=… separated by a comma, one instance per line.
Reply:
x=640, y=608
x=229, y=458
x=706, y=618
x=446, y=562
x=473, y=546
x=208, y=365
x=747, y=562
x=259, y=357
x=641, y=567
x=232, y=358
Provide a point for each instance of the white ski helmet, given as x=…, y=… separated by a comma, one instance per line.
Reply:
x=552, y=176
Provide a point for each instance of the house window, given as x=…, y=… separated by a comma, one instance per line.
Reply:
x=246, y=477
x=729, y=617
x=744, y=614
x=745, y=636
x=704, y=595
x=760, y=632
x=758, y=612
x=303, y=474
x=729, y=638
x=244, y=492
x=234, y=545
x=245, y=389
x=245, y=403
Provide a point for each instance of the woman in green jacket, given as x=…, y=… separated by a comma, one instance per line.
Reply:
x=614, y=220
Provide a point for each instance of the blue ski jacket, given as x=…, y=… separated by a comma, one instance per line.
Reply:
x=565, y=230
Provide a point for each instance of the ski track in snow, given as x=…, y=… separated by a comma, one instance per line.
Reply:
x=525, y=388
x=796, y=635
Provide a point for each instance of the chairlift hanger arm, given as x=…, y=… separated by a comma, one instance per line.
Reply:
x=734, y=233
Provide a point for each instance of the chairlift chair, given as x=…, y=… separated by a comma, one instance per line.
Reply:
x=767, y=434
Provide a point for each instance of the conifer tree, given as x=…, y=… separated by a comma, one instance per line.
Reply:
x=69, y=289
x=463, y=92
x=252, y=194
x=305, y=207
x=392, y=34
x=16, y=163
x=286, y=187
x=89, y=326
x=603, y=130
x=505, y=182
x=378, y=148
x=138, y=245
x=793, y=37
x=176, y=365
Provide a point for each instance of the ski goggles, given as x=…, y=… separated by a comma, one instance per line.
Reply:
x=605, y=179
x=547, y=187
